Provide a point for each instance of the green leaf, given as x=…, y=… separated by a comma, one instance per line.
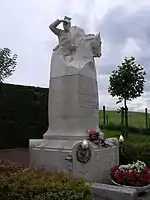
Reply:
x=127, y=82
x=7, y=63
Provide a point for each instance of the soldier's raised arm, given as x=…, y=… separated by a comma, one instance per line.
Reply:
x=53, y=27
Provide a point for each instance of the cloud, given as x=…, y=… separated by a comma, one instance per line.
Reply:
x=125, y=32
x=124, y=27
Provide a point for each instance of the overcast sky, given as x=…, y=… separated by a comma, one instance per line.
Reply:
x=124, y=27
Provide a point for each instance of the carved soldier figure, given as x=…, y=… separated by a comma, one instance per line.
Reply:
x=73, y=96
x=65, y=37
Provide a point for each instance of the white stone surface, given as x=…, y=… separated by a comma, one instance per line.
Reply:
x=113, y=141
x=83, y=57
x=53, y=156
x=73, y=91
x=73, y=106
x=111, y=192
x=59, y=68
x=98, y=167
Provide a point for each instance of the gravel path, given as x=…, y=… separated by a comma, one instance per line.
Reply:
x=20, y=156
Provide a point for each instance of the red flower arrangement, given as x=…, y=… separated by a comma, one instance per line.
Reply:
x=131, y=175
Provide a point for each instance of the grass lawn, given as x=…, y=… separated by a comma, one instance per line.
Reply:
x=135, y=139
x=136, y=119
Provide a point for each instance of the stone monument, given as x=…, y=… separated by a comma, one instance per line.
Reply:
x=73, y=109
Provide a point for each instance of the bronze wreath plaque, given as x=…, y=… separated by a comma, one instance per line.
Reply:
x=83, y=155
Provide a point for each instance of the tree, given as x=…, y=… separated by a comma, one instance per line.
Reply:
x=127, y=83
x=7, y=63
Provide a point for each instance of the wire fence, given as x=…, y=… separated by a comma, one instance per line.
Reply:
x=116, y=118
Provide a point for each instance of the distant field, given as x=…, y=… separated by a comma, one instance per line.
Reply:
x=136, y=119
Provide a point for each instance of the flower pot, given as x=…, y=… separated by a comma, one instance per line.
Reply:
x=138, y=189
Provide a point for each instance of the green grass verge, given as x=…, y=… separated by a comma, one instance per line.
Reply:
x=134, y=139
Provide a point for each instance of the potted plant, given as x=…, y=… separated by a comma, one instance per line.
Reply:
x=136, y=175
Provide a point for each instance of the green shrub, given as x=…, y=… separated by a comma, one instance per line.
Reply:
x=132, y=152
x=131, y=129
x=39, y=185
x=8, y=168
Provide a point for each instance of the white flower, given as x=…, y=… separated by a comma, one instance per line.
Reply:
x=137, y=166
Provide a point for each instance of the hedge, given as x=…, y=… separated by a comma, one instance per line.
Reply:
x=131, y=152
x=23, y=114
x=17, y=183
x=132, y=129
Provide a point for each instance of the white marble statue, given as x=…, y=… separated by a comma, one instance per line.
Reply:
x=73, y=109
x=74, y=45
x=73, y=95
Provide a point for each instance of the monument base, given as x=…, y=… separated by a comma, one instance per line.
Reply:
x=55, y=135
x=62, y=156
x=68, y=135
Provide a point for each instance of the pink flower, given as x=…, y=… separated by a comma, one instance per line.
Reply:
x=92, y=131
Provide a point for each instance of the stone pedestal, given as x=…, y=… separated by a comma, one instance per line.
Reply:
x=73, y=106
x=73, y=109
x=61, y=155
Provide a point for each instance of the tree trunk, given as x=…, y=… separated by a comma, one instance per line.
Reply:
x=126, y=118
x=122, y=116
x=122, y=120
x=104, y=116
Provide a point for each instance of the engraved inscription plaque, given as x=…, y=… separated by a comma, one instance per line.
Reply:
x=88, y=102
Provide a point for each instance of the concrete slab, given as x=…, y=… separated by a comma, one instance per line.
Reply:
x=111, y=192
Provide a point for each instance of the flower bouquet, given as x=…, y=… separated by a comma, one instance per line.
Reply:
x=94, y=136
x=136, y=175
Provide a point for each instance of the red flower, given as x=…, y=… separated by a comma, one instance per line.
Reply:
x=131, y=178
